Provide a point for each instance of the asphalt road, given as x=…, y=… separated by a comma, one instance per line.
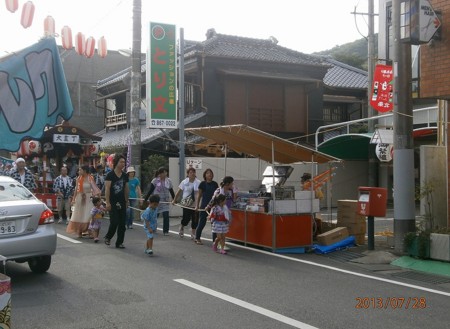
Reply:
x=189, y=286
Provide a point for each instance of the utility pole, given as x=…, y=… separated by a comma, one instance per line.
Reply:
x=182, y=143
x=404, y=188
x=373, y=161
x=135, y=88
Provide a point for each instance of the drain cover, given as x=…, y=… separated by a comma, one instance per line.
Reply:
x=422, y=277
x=344, y=255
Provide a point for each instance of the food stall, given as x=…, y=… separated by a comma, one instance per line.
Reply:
x=279, y=218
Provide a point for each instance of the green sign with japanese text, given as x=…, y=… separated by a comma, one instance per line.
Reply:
x=162, y=77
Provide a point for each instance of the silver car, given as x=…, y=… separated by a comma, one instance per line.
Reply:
x=27, y=230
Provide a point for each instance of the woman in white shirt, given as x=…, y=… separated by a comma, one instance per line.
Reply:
x=189, y=188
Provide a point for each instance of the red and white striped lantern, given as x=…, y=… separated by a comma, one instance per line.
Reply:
x=34, y=147
x=66, y=37
x=24, y=149
x=102, y=50
x=12, y=5
x=90, y=47
x=27, y=14
x=80, y=43
x=49, y=26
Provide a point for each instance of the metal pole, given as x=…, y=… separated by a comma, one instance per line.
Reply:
x=373, y=162
x=135, y=89
x=404, y=204
x=181, y=107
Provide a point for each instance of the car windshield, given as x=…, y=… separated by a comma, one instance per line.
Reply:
x=14, y=192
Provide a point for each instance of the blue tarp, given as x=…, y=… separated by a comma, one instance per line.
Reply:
x=347, y=242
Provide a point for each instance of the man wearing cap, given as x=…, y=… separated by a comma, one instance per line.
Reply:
x=21, y=174
x=135, y=195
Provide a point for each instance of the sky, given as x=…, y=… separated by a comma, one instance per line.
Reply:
x=305, y=26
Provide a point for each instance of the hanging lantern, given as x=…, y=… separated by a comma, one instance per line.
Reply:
x=66, y=38
x=12, y=5
x=27, y=14
x=94, y=148
x=90, y=47
x=49, y=26
x=102, y=50
x=34, y=147
x=24, y=149
x=80, y=43
x=48, y=147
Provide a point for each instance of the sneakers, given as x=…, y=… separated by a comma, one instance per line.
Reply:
x=181, y=233
x=95, y=240
x=107, y=241
x=149, y=251
x=120, y=246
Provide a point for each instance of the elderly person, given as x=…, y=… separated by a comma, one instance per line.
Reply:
x=21, y=174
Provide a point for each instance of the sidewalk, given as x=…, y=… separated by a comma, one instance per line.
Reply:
x=383, y=259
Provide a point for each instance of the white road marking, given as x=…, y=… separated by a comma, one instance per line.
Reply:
x=254, y=308
x=371, y=277
x=67, y=238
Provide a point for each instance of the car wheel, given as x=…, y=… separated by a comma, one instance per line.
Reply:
x=40, y=264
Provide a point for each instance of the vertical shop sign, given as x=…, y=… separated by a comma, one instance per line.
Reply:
x=382, y=89
x=161, y=77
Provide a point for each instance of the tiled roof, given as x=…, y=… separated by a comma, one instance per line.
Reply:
x=227, y=46
x=341, y=75
x=120, y=137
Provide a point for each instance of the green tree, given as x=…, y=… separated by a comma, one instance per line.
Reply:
x=149, y=167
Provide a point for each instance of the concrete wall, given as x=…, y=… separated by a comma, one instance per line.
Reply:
x=432, y=171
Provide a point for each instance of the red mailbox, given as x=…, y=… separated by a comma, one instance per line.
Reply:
x=372, y=201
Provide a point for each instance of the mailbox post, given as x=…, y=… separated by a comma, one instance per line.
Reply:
x=372, y=203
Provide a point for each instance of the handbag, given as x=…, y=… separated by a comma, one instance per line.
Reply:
x=188, y=201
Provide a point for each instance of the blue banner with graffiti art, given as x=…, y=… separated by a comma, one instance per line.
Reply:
x=33, y=93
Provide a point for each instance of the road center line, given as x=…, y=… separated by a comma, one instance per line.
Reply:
x=257, y=309
x=67, y=238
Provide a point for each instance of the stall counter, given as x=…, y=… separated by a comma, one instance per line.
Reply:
x=289, y=233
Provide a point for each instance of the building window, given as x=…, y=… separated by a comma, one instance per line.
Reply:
x=334, y=113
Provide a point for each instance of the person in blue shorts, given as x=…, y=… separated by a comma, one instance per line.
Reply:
x=149, y=216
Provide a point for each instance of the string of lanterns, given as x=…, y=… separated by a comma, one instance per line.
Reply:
x=83, y=46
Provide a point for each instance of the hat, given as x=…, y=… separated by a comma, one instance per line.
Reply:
x=306, y=175
x=130, y=169
x=20, y=160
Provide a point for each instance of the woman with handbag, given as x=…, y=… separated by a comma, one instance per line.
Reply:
x=85, y=189
x=189, y=190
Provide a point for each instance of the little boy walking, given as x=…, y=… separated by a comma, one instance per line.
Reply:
x=149, y=216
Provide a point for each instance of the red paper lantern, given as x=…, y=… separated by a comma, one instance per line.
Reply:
x=27, y=14
x=90, y=47
x=66, y=37
x=24, y=149
x=12, y=5
x=49, y=26
x=102, y=50
x=34, y=147
x=80, y=43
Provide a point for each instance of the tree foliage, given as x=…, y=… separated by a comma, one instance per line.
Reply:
x=149, y=167
x=353, y=53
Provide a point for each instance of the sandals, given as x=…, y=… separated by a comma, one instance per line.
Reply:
x=199, y=242
x=181, y=233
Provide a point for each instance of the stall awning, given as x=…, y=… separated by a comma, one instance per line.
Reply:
x=348, y=146
x=254, y=142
